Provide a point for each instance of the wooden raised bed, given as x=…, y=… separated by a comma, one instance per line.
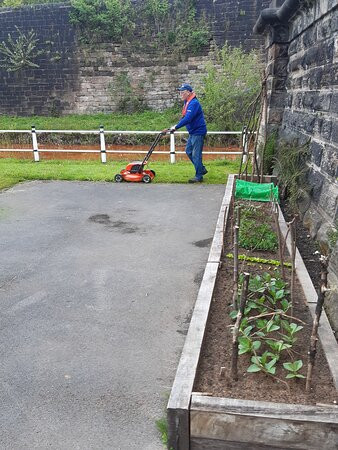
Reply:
x=198, y=421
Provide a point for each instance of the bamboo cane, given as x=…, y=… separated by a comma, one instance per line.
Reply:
x=234, y=356
x=292, y=227
x=315, y=325
x=280, y=241
x=235, y=274
x=265, y=109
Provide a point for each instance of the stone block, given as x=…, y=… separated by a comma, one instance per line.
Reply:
x=334, y=103
x=326, y=129
x=277, y=100
x=329, y=198
x=334, y=134
x=312, y=220
x=275, y=116
x=309, y=37
x=331, y=301
x=316, y=150
x=329, y=163
x=298, y=100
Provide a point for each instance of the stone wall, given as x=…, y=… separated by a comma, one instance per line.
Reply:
x=302, y=67
x=73, y=78
x=48, y=89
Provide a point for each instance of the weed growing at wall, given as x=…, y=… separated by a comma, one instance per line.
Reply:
x=99, y=20
x=130, y=99
x=332, y=235
x=19, y=3
x=269, y=153
x=159, y=24
x=18, y=53
x=173, y=26
x=291, y=168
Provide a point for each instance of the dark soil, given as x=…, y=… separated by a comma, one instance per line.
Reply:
x=216, y=350
x=307, y=247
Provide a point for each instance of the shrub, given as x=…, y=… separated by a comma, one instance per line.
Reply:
x=230, y=86
x=102, y=19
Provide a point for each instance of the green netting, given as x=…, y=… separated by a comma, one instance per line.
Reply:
x=259, y=192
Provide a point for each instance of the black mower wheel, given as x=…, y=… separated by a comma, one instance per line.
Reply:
x=146, y=179
x=118, y=178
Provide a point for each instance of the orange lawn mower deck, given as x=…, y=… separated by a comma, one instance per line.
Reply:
x=135, y=170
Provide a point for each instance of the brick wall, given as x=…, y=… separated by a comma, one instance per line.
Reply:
x=72, y=78
x=302, y=64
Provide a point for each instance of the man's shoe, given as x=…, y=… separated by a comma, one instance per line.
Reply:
x=196, y=180
x=204, y=171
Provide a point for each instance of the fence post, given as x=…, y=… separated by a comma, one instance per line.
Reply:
x=103, y=145
x=35, y=145
x=245, y=145
x=172, y=148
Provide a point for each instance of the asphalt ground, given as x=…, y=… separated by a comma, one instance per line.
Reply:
x=97, y=284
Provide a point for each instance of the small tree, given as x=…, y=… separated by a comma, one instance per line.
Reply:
x=230, y=86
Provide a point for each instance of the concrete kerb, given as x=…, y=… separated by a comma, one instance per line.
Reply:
x=178, y=408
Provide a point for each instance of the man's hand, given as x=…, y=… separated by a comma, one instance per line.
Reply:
x=169, y=130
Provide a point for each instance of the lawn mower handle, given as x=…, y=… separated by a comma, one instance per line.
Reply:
x=152, y=148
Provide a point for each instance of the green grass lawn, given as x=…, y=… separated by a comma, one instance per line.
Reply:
x=141, y=121
x=13, y=171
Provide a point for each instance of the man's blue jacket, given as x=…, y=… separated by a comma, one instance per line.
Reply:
x=193, y=119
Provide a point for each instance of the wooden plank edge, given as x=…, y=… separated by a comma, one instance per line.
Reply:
x=216, y=249
x=325, y=332
x=178, y=408
x=328, y=342
x=271, y=410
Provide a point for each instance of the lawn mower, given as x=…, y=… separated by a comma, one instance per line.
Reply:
x=135, y=170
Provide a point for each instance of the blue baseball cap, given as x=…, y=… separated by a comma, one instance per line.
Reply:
x=185, y=87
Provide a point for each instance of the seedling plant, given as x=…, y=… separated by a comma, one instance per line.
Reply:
x=254, y=236
x=267, y=331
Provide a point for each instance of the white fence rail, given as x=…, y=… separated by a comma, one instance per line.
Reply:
x=103, y=150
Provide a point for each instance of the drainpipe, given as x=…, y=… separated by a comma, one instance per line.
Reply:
x=275, y=16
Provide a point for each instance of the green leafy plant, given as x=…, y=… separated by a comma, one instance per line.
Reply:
x=254, y=259
x=162, y=426
x=332, y=235
x=229, y=87
x=19, y=53
x=159, y=24
x=257, y=237
x=263, y=363
x=269, y=153
x=267, y=332
x=293, y=368
x=253, y=236
x=131, y=100
x=100, y=20
x=19, y=3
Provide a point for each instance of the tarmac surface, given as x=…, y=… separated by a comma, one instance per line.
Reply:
x=97, y=284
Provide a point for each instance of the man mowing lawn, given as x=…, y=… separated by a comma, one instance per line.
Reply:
x=193, y=120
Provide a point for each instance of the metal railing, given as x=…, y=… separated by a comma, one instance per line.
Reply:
x=103, y=150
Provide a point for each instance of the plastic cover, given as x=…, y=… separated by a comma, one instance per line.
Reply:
x=259, y=192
